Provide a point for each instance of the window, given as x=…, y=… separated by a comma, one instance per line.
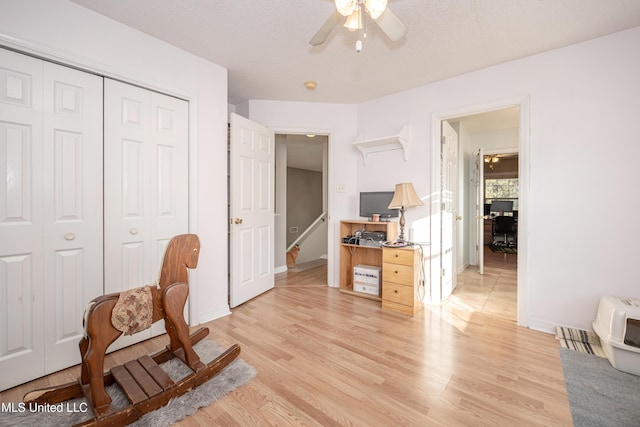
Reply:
x=501, y=189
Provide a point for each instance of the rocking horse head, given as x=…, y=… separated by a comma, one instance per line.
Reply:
x=181, y=253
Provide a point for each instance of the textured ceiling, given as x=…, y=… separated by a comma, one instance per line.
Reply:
x=264, y=43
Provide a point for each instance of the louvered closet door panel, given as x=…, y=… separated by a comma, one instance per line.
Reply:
x=146, y=186
x=21, y=219
x=72, y=207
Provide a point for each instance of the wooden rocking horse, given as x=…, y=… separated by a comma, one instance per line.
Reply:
x=144, y=383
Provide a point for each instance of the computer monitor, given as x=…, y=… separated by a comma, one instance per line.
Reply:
x=377, y=202
x=502, y=206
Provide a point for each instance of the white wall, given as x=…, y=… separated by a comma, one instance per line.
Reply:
x=584, y=149
x=338, y=121
x=74, y=35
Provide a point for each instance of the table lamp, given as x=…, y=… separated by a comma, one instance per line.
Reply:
x=404, y=197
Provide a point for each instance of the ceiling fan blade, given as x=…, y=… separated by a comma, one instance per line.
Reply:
x=391, y=25
x=326, y=28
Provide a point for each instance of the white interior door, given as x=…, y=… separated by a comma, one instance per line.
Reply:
x=50, y=213
x=478, y=179
x=21, y=219
x=73, y=258
x=252, y=210
x=146, y=186
x=449, y=212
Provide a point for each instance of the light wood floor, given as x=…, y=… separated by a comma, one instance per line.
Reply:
x=324, y=358
x=494, y=292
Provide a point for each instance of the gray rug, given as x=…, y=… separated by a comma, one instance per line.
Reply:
x=599, y=394
x=235, y=375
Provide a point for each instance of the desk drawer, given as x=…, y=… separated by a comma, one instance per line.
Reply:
x=398, y=256
x=400, y=294
x=398, y=273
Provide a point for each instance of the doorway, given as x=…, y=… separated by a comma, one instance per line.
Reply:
x=301, y=200
x=512, y=114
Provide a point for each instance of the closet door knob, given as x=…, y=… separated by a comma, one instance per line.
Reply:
x=69, y=236
x=133, y=231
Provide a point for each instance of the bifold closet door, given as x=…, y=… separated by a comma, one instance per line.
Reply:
x=50, y=213
x=146, y=186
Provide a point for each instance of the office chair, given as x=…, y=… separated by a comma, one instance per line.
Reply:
x=505, y=226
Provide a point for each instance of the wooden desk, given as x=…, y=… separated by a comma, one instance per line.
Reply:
x=352, y=254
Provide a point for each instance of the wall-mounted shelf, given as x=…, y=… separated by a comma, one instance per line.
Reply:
x=400, y=141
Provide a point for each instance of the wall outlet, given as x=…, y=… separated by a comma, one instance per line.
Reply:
x=340, y=188
x=293, y=230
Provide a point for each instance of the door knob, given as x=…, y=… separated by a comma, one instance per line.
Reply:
x=458, y=217
x=238, y=221
x=69, y=236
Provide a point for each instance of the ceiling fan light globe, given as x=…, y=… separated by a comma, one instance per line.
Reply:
x=345, y=7
x=375, y=7
x=354, y=21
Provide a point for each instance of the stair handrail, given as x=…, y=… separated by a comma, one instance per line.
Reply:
x=308, y=230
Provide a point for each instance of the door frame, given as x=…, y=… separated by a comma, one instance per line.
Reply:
x=325, y=193
x=331, y=249
x=118, y=72
x=524, y=141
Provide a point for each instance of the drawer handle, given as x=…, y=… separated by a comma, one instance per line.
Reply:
x=395, y=291
x=396, y=271
x=396, y=255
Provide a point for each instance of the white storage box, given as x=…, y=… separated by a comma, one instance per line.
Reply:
x=366, y=279
x=618, y=326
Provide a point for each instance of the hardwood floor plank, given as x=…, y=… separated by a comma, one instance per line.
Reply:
x=327, y=358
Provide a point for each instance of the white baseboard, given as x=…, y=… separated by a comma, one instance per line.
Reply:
x=542, y=326
x=280, y=269
x=210, y=315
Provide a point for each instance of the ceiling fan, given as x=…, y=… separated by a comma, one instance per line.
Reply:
x=492, y=159
x=353, y=10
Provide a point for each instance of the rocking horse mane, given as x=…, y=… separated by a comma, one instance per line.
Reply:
x=182, y=252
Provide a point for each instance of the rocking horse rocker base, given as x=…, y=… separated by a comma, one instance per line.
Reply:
x=146, y=386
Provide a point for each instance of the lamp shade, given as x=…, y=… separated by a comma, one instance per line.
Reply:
x=405, y=196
